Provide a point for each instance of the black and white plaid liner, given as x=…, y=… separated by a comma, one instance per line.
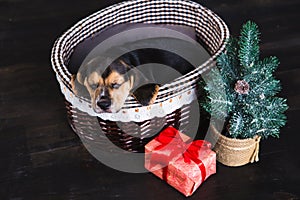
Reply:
x=210, y=30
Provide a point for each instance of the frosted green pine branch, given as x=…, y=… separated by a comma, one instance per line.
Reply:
x=242, y=89
x=249, y=48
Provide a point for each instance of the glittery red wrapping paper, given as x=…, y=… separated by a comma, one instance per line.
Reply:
x=184, y=176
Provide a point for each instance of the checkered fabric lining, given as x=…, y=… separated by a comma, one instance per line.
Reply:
x=210, y=29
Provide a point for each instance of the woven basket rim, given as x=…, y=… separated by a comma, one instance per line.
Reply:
x=65, y=44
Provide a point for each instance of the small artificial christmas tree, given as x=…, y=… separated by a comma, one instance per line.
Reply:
x=242, y=89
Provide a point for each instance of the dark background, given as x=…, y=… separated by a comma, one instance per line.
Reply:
x=40, y=156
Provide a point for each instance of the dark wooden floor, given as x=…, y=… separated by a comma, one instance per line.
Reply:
x=40, y=156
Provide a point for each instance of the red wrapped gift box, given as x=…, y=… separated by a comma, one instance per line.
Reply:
x=181, y=163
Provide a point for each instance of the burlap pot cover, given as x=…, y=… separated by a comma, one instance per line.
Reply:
x=235, y=152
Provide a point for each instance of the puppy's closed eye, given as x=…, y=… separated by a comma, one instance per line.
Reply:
x=115, y=85
x=94, y=86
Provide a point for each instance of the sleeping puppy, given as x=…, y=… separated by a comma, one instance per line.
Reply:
x=109, y=82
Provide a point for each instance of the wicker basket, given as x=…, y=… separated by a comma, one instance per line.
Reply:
x=211, y=31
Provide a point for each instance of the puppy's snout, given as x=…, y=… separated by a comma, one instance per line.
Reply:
x=104, y=103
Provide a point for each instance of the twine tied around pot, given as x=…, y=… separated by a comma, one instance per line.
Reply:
x=255, y=157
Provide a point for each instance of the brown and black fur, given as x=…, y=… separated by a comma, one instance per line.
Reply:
x=108, y=82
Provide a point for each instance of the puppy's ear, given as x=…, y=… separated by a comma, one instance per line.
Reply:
x=75, y=80
x=80, y=78
x=125, y=64
x=85, y=69
x=77, y=83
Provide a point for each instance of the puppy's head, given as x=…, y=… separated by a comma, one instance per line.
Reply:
x=107, y=83
x=108, y=87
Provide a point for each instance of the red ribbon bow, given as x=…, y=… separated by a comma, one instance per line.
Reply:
x=172, y=146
